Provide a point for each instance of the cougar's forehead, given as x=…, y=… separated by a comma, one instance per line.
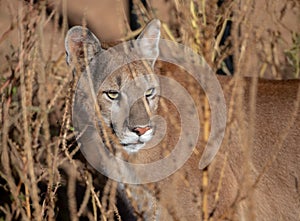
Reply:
x=135, y=71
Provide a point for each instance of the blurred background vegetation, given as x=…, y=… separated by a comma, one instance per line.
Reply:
x=43, y=176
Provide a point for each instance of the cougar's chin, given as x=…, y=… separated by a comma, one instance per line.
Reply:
x=133, y=147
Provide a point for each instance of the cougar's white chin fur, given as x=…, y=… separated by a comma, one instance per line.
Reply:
x=132, y=143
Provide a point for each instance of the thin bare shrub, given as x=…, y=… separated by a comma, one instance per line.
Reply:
x=43, y=175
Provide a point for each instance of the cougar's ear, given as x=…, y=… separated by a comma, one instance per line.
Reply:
x=148, y=41
x=77, y=39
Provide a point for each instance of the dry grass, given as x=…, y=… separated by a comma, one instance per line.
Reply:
x=43, y=176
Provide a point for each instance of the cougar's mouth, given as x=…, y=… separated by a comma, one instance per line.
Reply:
x=133, y=147
x=135, y=143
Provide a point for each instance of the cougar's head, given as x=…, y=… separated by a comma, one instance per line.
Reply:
x=127, y=95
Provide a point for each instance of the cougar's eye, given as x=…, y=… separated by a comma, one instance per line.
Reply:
x=113, y=95
x=150, y=92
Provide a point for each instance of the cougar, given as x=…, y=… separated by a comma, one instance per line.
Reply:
x=255, y=174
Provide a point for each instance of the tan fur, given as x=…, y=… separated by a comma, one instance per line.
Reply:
x=255, y=175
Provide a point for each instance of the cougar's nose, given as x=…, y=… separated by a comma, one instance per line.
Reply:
x=140, y=130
